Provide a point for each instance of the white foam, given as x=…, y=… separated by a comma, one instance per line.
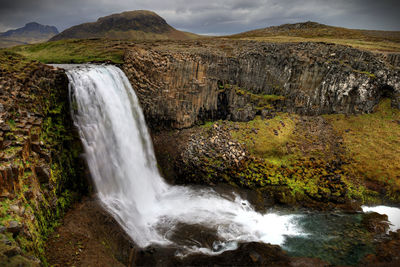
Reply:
x=121, y=160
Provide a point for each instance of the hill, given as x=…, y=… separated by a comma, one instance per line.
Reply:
x=316, y=32
x=140, y=24
x=31, y=33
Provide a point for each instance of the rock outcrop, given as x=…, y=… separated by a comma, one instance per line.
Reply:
x=41, y=172
x=181, y=85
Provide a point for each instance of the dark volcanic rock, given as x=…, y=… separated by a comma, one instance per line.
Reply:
x=40, y=170
x=248, y=254
x=375, y=222
x=180, y=86
x=387, y=253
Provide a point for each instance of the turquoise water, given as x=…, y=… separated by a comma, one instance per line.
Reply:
x=340, y=239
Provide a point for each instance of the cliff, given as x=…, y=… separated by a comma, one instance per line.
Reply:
x=180, y=86
x=296, y=122
x=306, y=124
x=41, y=173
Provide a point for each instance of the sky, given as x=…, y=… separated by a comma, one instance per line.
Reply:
x=215, y=17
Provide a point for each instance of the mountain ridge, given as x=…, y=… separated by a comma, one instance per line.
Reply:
x=32, y=32
x=310, y=29
x=138, y=24
x=31, y=27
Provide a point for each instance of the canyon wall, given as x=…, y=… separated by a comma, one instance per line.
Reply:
x=181, y=85
x=41, y=172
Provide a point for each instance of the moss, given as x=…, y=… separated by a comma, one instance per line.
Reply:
x=261, y=101
x=260, y=137
x=12, y=151
x=59, y=151
x=372, y=142
x=12, y=62
x=298, y=160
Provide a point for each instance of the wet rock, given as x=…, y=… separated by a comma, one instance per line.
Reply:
x=375, y=222
x=247, y=254
x=387, y=252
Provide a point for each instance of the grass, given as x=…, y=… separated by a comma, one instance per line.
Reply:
x=388, y=41
x=383, y=46
x=260, y=139
x=73, y=51
x=12, y=62
x=373, y=142
x=370, y=150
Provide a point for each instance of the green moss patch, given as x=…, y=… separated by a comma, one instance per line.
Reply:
x=373, y=143
x=266, y=139
x=321, y=159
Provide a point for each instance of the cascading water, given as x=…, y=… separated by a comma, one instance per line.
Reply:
x=121, y=160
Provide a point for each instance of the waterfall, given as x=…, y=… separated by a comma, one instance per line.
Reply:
x=120, y=156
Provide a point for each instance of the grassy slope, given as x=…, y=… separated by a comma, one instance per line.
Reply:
x=73, y=51
x=9, y=43
x=373, y=141
x=363, y=39
x=265, y=143
x=87, y=50
x=371, y=147
x=380, y=46
x=21, y=40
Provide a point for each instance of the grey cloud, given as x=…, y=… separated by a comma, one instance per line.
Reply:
x=208, y=16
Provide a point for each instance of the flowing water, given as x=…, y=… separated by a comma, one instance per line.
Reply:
x=121, y=160
x=122, y=163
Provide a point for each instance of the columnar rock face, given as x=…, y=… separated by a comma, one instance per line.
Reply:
x=40, y=168
x=180, y=86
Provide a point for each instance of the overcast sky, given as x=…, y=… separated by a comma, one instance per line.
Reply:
x=208, y=16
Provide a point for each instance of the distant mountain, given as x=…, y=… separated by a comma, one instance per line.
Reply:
x=311, y=29
x=31, y=33
x=140, y=24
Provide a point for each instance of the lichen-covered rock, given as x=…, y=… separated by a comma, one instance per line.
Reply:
x=209, y=154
